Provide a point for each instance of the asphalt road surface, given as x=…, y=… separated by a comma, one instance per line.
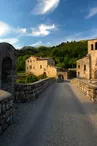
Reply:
x=61, y=116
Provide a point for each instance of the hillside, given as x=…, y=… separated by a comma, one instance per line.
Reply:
x=65, y=54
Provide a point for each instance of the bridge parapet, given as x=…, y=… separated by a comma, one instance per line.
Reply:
x=27, y=92
x=88, y=87
x=6, y=104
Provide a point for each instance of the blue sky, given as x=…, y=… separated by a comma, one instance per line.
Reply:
x=47, y=22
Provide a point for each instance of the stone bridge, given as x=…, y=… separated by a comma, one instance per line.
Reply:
x=46, y=113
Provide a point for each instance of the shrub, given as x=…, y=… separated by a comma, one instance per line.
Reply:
x=43, y=76
x=31, y=79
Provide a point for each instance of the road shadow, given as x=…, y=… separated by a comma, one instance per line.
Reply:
x=63, y=81
x=87, y=107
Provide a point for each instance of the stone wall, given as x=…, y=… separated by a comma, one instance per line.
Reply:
x=88, y=88
x=6, y=110
x=39, y=66
x=27, y=92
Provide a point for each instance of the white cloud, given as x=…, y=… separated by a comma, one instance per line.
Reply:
x=92, y=12
x=37, y=44
x=4, y=28
x=42, y=30
x=7, y=29
x=10, y=40
x=20, y=30
x=85, y=35
x=45, y=6
x=18, y=46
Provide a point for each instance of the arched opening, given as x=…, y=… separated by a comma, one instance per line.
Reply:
x=6, y=74
x=60, y=77
x=96, y=46
x=95, y=74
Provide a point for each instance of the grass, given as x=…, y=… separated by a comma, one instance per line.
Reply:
x=20, y=73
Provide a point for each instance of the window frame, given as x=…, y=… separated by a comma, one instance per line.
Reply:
x=85, y=68
x=92, y=47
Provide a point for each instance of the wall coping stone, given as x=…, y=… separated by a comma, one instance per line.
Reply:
x=4, y=95
x=32, y=83
x=93, y=86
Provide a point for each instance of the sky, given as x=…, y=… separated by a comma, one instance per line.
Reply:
x=47, y=22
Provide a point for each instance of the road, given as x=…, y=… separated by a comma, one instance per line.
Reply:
x=61, y=116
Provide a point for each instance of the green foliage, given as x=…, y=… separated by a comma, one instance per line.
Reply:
x=65, y=54
x=20, y=81
x=22, y=73
x=43, y=76
x=21, y=63
x=31, y=79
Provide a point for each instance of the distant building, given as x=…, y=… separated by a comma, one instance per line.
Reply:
x=87, y=66
x=39, y=66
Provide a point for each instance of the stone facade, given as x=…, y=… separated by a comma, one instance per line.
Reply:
x=66, y=74
x=27, y=92
x=87, y=66
x=6, y=110
x=39, y=66
x=7, y=67
x=87, y=87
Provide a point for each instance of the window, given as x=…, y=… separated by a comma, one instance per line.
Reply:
x=96, y=46
x=92, y=47
x=33, y=60
x=78, y=66
x=84, y=67
x=28, y=60
x=40, y=66
x=27, y=67
x=30, y=66
x=33, y=67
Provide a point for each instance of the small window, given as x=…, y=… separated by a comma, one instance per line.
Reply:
x=33, y=67
x=40, y=66
x=84, y=67
x=28, y=60
x=27, y=67
x=96, y=46
x=30, y=66
x=92, y=47
x=33, y=60
x=78, y=66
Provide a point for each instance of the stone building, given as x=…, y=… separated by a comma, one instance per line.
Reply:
x=7, y=67
x=39, y=66
x=87, y=66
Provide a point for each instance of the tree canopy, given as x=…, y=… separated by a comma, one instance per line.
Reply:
x=65, y=54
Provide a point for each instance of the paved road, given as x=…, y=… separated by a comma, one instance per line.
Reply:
x=61, y=116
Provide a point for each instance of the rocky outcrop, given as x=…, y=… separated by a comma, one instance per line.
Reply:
x=6, y=110
x=27, y=92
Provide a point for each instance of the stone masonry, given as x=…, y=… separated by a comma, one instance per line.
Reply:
x=39, y=66
x=87, y=87
x=6, y=110
x=27, y=92
x=87, y=66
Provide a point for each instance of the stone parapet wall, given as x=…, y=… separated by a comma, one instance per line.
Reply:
x=6, y=110
x=27, y=92
x=86, y=87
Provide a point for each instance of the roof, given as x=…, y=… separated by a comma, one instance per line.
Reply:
x=92, y=39
x=40, y=58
